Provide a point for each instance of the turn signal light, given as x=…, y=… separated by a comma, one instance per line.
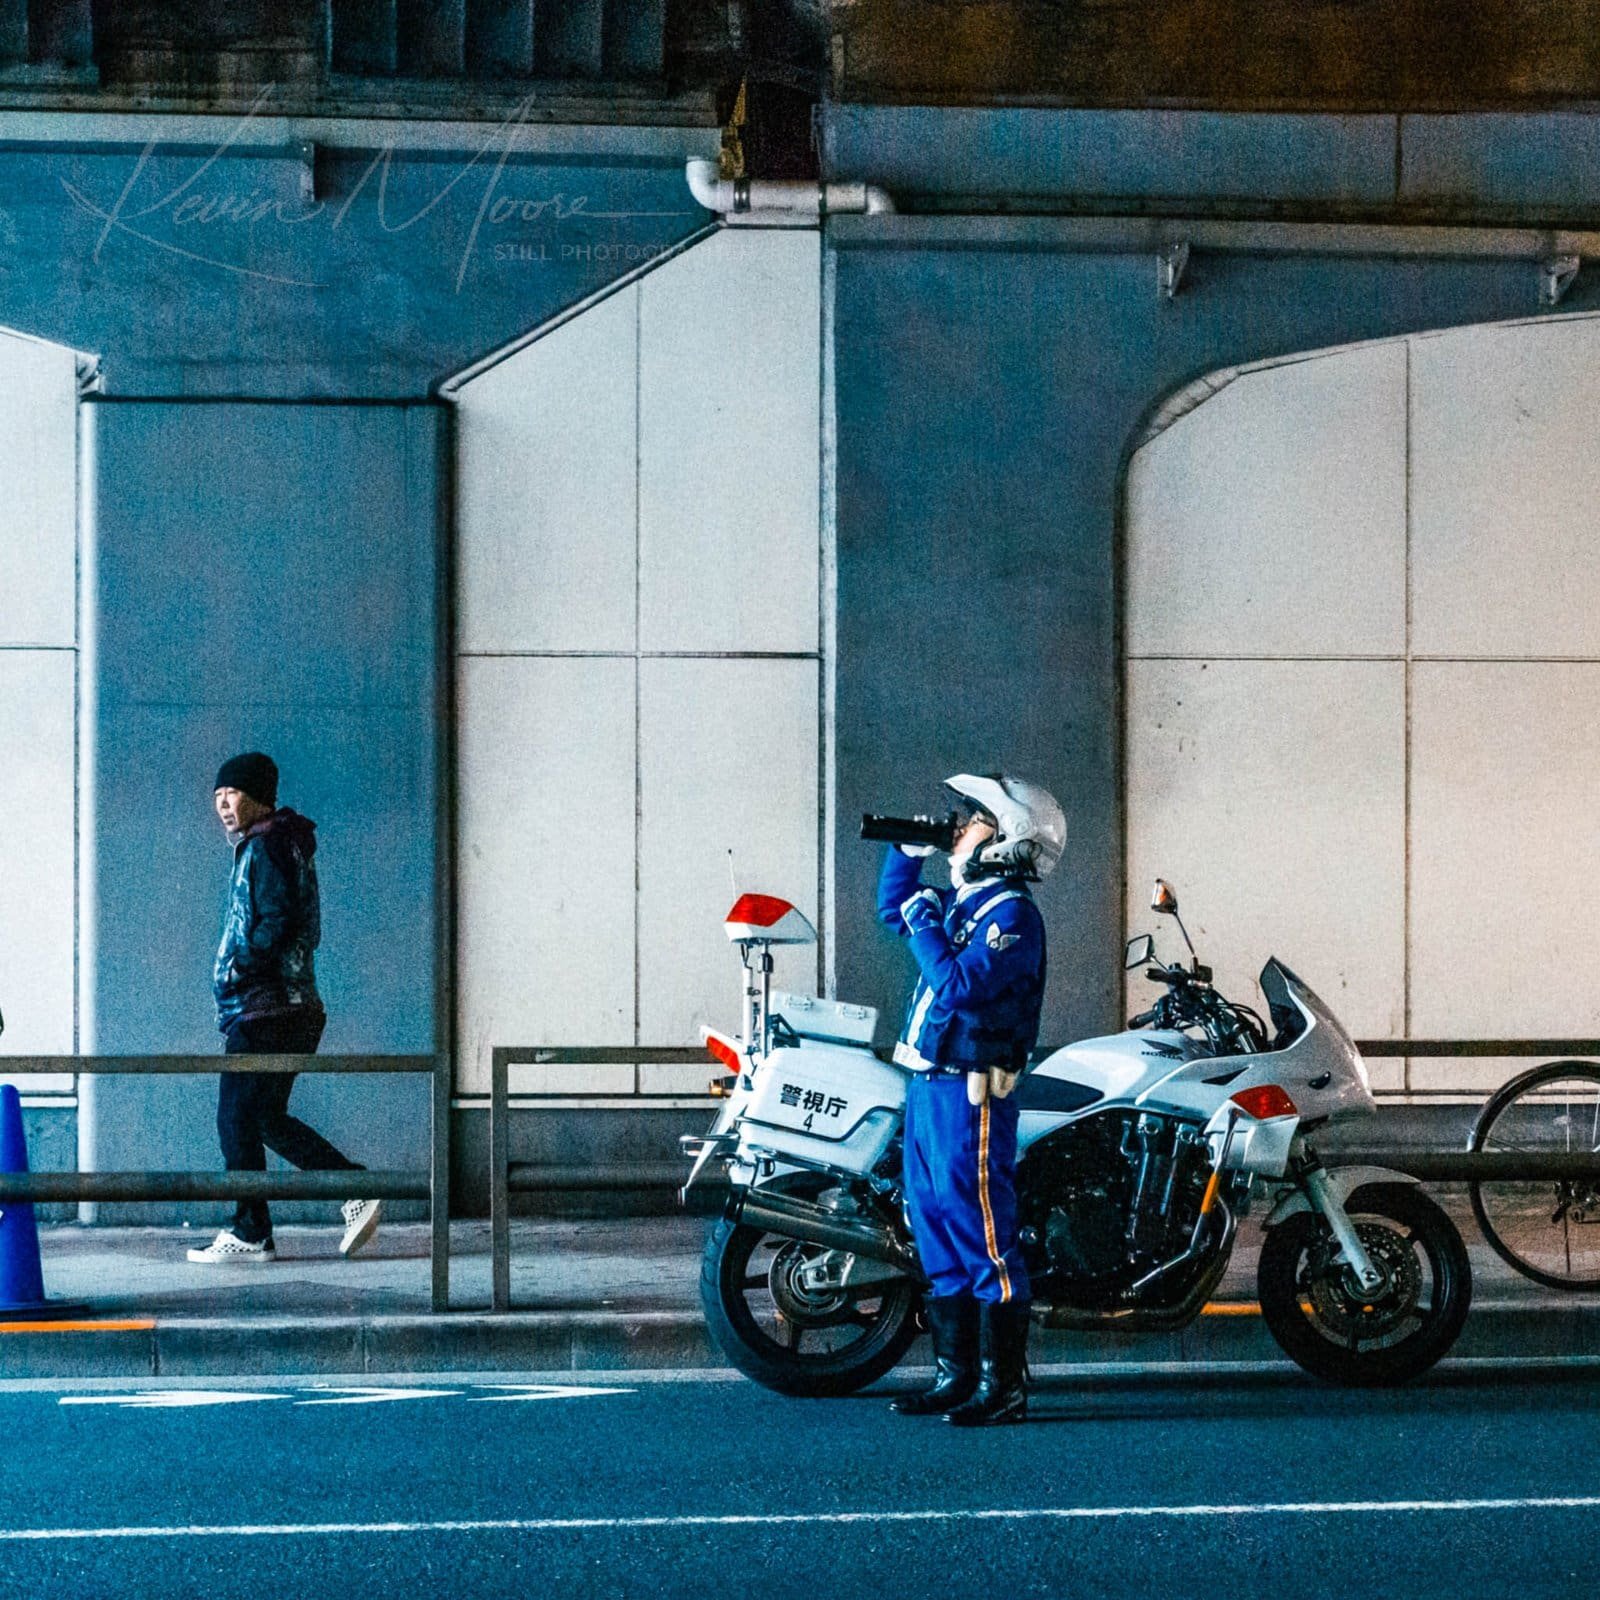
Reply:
x=1266, y=1100
x=724, y=1054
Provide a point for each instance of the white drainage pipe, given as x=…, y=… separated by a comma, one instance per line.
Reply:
x=797, y=197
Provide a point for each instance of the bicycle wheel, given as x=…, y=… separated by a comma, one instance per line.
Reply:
x=1549, y=1231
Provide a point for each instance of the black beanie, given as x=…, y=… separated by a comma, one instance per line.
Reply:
x=253, y=773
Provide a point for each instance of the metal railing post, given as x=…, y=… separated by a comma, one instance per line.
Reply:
x=524, y=1177
x=439, y=1184
x=499, y=1168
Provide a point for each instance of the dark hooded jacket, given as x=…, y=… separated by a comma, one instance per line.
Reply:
x=266, y=963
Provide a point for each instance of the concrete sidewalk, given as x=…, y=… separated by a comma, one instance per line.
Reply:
x=590, y=1295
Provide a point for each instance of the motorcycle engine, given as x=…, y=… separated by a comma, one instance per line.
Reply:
x=1105, y=1196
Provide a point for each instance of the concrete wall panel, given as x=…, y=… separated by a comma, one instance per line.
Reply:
x=38, y=493
x=1505, y=509
x=1270, y=520
x=718, y=350
x=1505, y=765
x=1509, y=160
x=1474, y=441
x=728, y=438
x=1289, y=844
x=545, y=828
x=547, y=472
x=37, y=883
x=728, y=761
x=1018, y=150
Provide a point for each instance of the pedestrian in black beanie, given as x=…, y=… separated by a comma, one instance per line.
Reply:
x=265, y=985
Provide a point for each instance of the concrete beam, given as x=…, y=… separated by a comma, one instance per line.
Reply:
x=1150, y=235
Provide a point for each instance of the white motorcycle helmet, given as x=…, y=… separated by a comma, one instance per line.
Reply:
x=1030, y=826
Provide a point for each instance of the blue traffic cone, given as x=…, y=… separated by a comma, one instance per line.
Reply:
x=21, y=1275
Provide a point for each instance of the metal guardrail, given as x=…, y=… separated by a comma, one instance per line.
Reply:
x=432, y=1185
x=1480, y=1166
x=531, y=1177
x=1574, y=1049
x=505, y=1176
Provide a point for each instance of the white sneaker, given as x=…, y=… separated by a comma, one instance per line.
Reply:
x=230, y=1250
x=360, y=1223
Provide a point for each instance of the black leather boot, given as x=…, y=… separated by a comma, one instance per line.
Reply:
x=953, y=1327
x=1002, y=1392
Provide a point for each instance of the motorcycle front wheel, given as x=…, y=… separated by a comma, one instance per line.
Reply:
x=1316, y=1311
x=802, y=1318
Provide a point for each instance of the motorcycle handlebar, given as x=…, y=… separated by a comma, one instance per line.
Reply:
x=940, y=832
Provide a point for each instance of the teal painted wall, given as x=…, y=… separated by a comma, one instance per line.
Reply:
x=989, y=389
x=267, y=579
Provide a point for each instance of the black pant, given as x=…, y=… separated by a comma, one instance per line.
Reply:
x=253, y=1112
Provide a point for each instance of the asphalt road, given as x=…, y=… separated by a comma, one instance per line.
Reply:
x=1479, y=1482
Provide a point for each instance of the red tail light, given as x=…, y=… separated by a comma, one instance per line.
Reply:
x=1266, y=1100
x=723, y=1054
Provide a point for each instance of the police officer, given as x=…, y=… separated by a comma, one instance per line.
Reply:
x=972, y=1023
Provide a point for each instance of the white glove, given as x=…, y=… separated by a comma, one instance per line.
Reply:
x=917, y=852
x=922, y=910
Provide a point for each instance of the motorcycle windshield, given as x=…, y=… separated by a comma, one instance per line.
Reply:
x=1290, y=1001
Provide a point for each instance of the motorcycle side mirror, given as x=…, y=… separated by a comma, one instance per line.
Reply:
x=1139, y=950
x=1162, y=898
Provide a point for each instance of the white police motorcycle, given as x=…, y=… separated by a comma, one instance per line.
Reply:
x=1139, y=1152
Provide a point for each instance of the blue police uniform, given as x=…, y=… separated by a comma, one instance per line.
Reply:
x=980, y=951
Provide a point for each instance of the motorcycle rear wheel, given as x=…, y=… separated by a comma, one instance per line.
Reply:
x=786, y=1333
x=1326, y=1325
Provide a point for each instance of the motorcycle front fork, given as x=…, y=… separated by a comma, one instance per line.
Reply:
x=1331, y=1209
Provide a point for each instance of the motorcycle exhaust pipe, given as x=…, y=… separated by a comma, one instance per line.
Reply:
x=813, y=1224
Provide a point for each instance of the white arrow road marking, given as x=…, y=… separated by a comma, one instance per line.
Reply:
x=173, y=1399
x=157, y=1399
x=546, y=1391
x=376, y=1397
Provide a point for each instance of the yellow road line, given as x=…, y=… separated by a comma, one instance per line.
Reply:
x=131, y=1325
x=1232, y=1308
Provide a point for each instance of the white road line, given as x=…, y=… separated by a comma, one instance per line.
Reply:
x=175, y=1399
x=377, y=1397
x=658, y=1377
x=781, y=1519
x=542, y=1391
x=169, y=1399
